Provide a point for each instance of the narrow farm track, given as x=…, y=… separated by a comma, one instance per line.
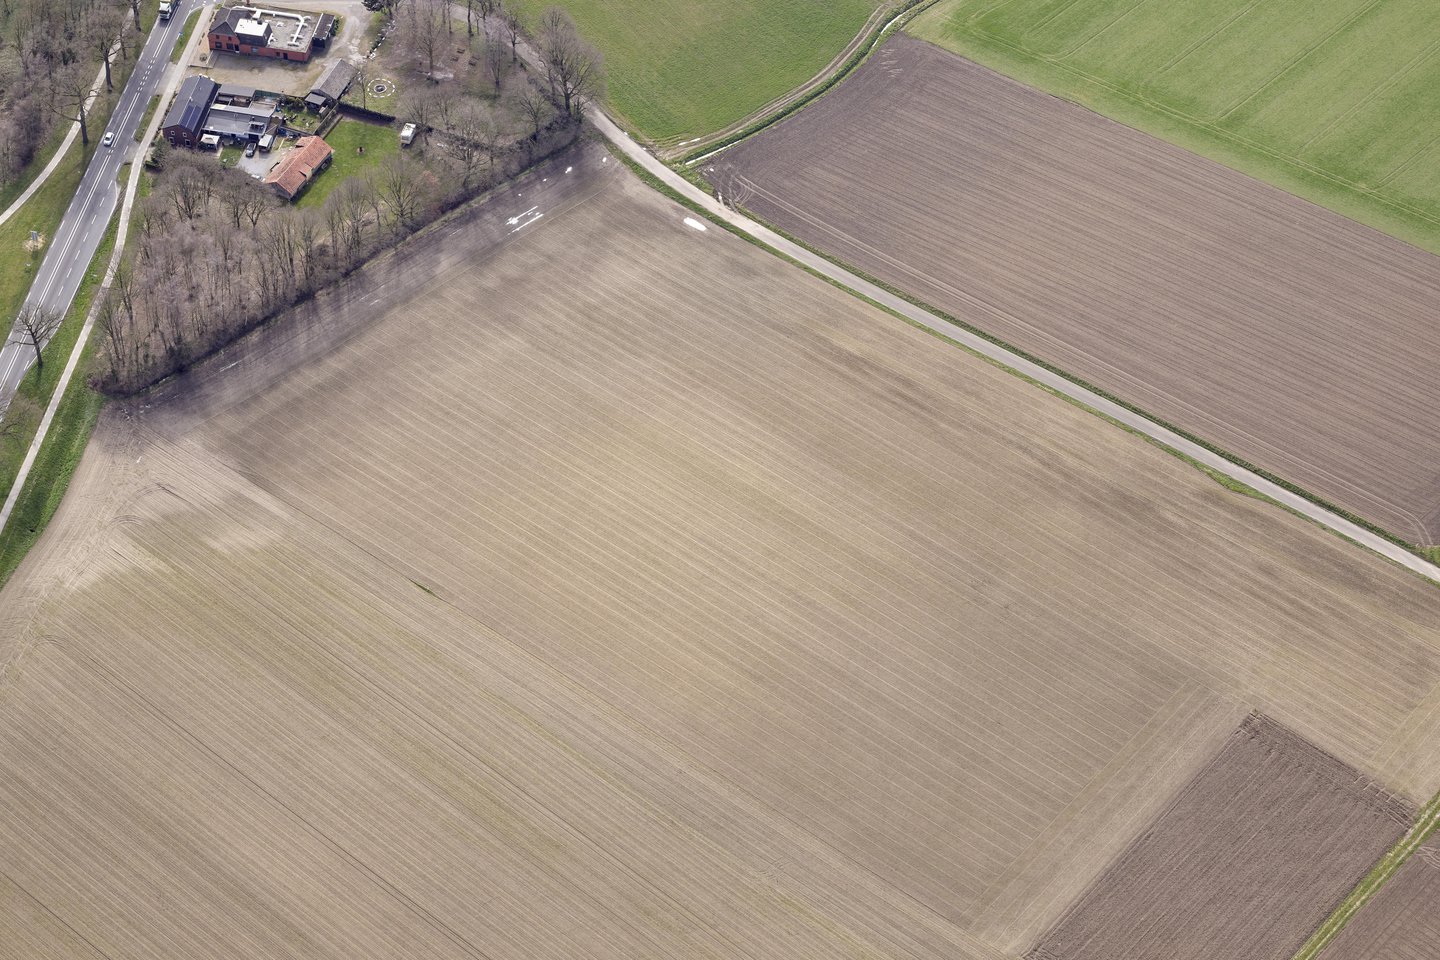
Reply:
x=1401, y=922
x=660, y=601
x=1296, y=339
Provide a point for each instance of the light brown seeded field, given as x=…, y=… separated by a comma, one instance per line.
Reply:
x=1249, y=859
x=621, y=591
x=1403, y=921
x=1284, y=333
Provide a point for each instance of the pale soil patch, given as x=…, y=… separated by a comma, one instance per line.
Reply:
x=614, y=589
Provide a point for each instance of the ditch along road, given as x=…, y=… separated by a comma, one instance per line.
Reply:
x=1046, y=378
x=70, y=251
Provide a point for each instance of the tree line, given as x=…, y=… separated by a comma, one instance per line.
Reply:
x=50, y=52
x=217, y=254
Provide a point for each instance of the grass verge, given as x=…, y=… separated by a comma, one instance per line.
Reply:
x=69, y=431
x=184, y=39
x=907, y=10
x=38, y=385
x=146, y=117
x=1425, y=825
x=50, y=476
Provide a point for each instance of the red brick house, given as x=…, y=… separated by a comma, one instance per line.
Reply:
x=253, y=32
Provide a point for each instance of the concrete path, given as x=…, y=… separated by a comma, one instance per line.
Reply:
x=1054, y=381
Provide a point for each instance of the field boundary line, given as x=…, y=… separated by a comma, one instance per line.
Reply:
x=855, y=54
x=137, y=168
x=670, y=147
x=1118, y=374
x=1205, y=128
x=1425, y=825
x=1349, y=526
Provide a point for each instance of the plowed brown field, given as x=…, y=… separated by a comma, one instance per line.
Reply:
x=1253, y=854
x=1403, y=921
x=618, y=590
x=1280, y=331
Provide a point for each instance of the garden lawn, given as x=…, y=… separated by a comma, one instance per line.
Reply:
x=346, y=139
x=678, y=69
x=1333, y=100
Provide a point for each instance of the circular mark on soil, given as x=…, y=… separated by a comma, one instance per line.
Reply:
x=381, y=88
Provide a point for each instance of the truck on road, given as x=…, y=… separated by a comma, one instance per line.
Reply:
x=167, y=7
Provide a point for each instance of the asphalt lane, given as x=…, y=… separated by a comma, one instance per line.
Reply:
x=71, y=249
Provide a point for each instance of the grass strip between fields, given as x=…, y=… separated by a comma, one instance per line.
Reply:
x=907, y=12
x=1426, y=823
x=184, y=39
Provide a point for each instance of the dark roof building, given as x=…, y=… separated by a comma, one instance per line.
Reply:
x=241, y=123
x=324, y=27
x=333, y=84
x=237, y=94
x=186, y=120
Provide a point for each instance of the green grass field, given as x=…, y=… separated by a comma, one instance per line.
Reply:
x=1335, y=100
x=682, y=68
x=346, y=139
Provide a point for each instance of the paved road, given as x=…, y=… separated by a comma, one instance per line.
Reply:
x=74, y=244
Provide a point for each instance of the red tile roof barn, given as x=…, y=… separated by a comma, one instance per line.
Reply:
x=299, y=166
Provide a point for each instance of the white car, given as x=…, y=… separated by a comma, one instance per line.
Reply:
x=109, y=140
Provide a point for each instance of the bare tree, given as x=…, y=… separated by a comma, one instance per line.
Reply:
x=534, y=107
x=105, y=26
x=70, y=92
x=135, y=12
x=510, y=29
x=362, y=82
x=425, y=31
x=34, y=328
x=21, y=419
x=497, y=63
x=190, y=187
x=572, y=66
x=242, y=199
x=470, y=141
x=419, y=106
x=398, y=183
